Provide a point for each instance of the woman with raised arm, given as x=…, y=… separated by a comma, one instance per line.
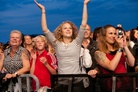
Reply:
x=67, y=45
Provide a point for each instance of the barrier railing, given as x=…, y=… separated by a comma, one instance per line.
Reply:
x=72, y=76
x=113, y=76
x=25, y=78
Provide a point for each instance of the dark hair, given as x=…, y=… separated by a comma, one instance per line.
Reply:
x=132, y=37
x=95, y=32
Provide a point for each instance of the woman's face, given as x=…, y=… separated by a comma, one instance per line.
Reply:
x=136, y=34
x=110, y=35
x=67, y=30
x=15, y=39
x=27, y=40
x=87, y=32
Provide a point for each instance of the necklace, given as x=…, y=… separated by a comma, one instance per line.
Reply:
x=65, y=46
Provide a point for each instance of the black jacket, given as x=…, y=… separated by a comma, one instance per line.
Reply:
x=135, y=53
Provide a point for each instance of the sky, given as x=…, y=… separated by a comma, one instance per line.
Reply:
x=25, y=16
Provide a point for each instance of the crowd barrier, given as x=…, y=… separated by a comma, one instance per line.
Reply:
x=25, y=79
x=29, y=77
x=113, y=76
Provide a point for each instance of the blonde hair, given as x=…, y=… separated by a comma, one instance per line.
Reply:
x=41, y=37
x=58, y=31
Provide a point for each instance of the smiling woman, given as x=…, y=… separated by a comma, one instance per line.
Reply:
x=112, y=60
x=67, y=45
x=15, y=59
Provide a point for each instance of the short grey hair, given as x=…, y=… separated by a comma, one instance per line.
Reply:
x=18, y=32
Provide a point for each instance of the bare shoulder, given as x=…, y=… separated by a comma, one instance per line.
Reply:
x=25, y=54
x=99, y=56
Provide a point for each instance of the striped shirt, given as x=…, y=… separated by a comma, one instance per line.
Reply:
x=67, y=54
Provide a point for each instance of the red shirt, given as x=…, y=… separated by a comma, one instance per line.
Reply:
x=122, y=82
x=120, y=67
x=41, y=71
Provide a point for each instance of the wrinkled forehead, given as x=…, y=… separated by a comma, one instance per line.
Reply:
x=15, y=35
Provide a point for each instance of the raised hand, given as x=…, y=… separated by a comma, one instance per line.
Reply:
x=39, y=5
x=119, y=41
x=86, y=1
x=43, y=18
x=43, y=60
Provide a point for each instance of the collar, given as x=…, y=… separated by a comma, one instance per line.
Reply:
x=44, y=52
x=18, y=51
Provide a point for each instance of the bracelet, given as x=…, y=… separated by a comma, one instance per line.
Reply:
x=43, y=12
x=120, y=50
x=16, y=74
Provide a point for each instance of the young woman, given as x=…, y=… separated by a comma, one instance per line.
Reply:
x=28, y=43
x=67, y=45
x=133, y=37
x=112, y=55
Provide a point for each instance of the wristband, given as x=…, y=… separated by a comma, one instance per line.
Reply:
x=43, y=12
x=120, y=50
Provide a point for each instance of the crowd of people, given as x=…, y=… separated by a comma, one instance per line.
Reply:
x=69, y=50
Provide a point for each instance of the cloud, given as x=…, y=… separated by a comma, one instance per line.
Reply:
x=24, y=15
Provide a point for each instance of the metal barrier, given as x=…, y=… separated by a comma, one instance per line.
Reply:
x=28, y=78
x=113, y=76
x=54, y=78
